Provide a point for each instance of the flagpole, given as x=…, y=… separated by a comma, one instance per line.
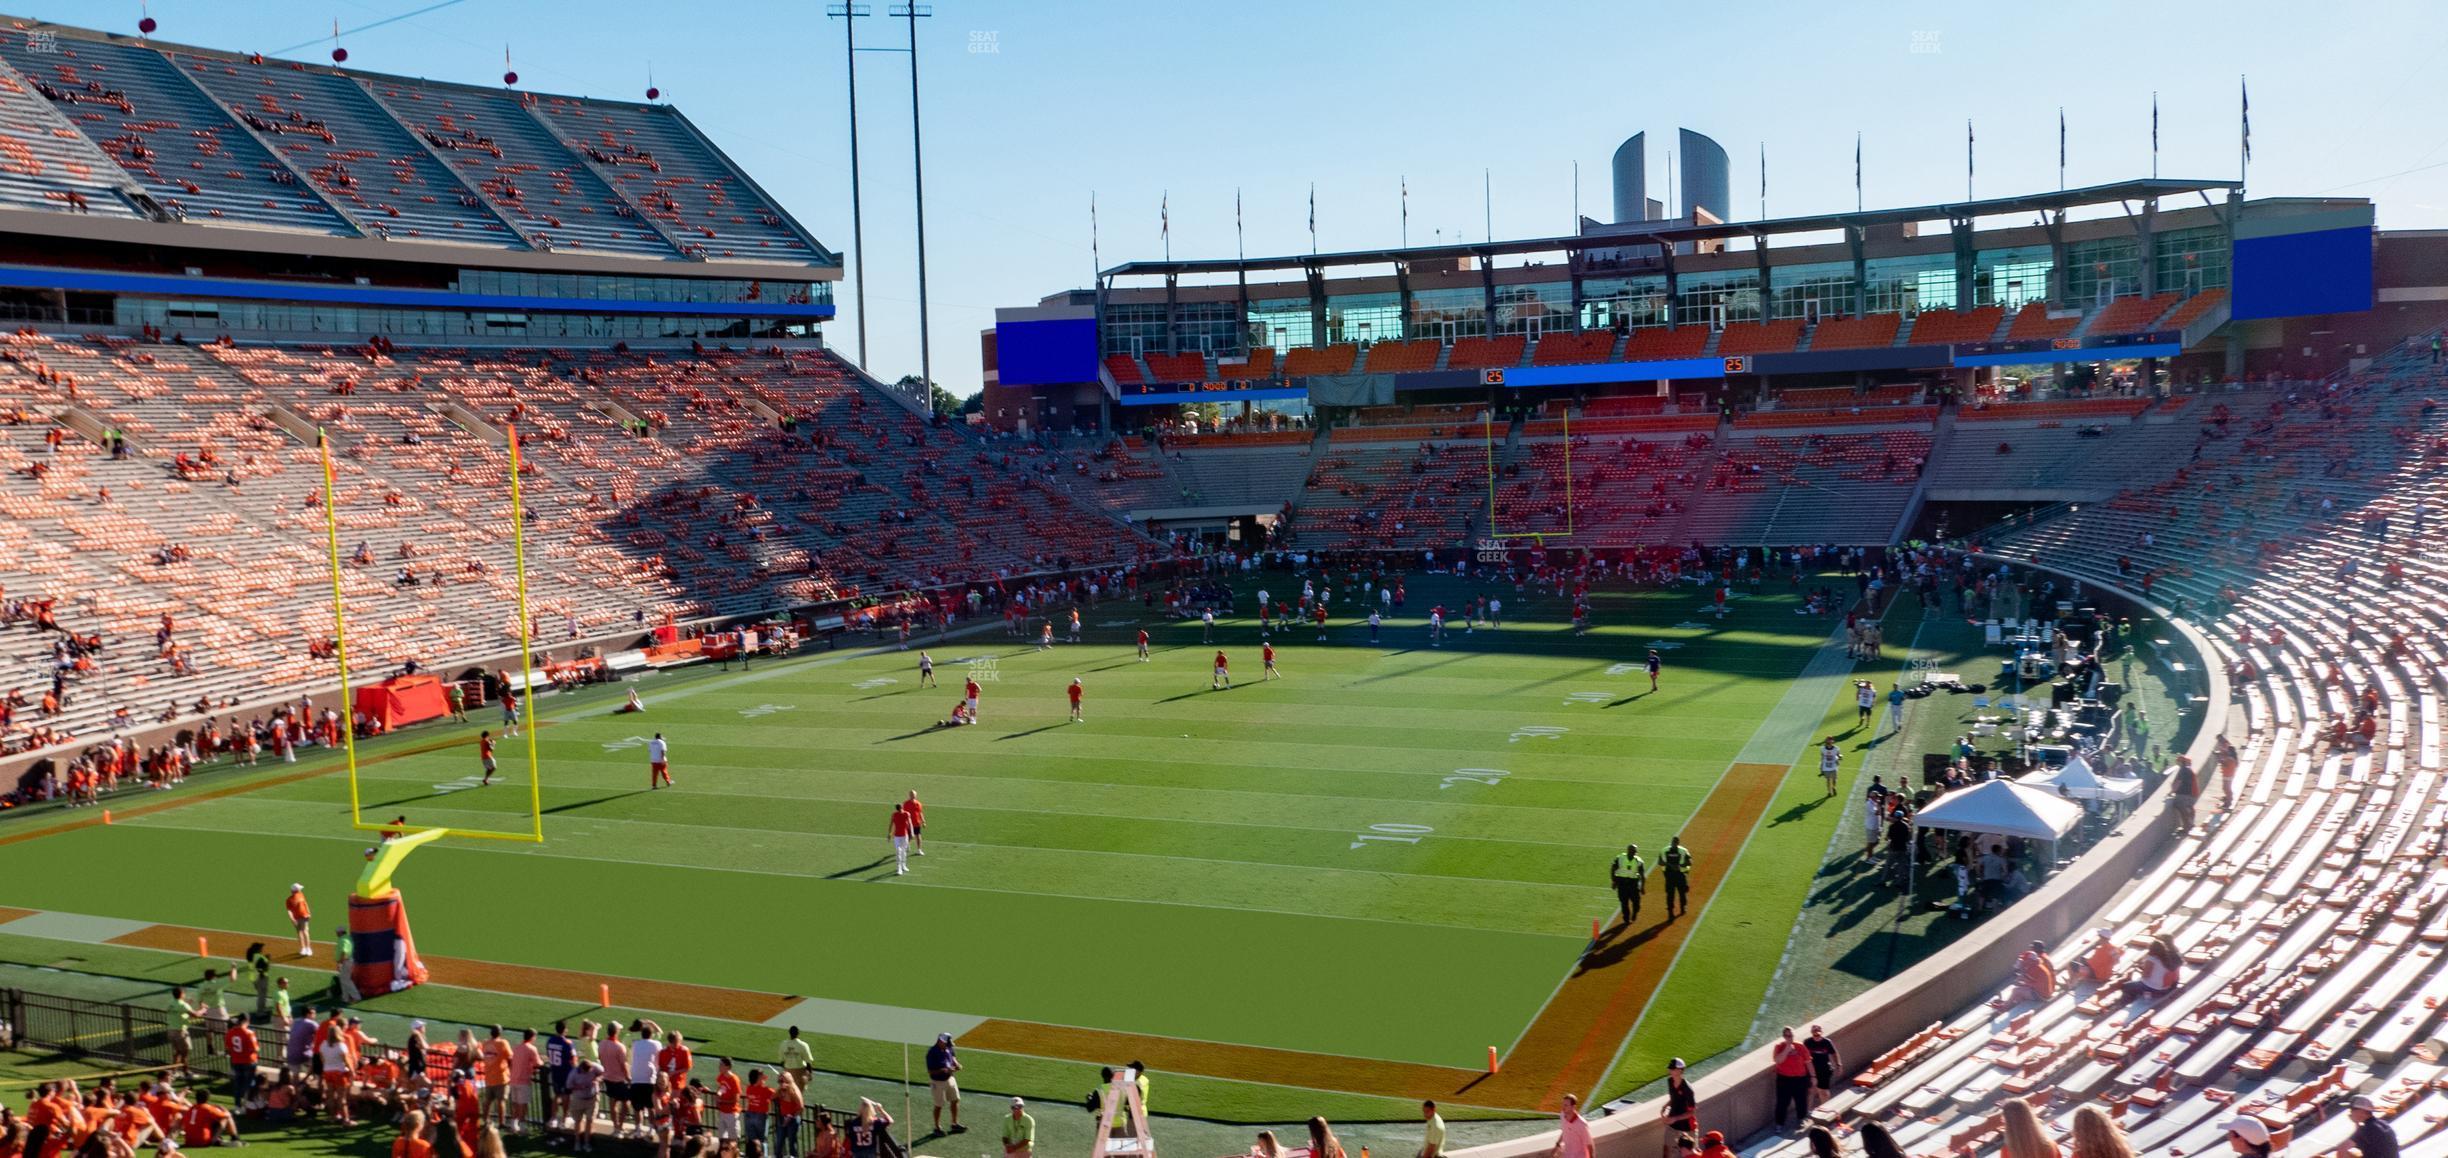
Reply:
x=1096, y=260
x=1240, y=250
x=1487, y=201
x=2061, y=148
x=1763, y=181
x=2244, y=162
x=1164, y=223
x=1857, y=174
x=1406, y=212
x=1967, y=158
x=2154, y=136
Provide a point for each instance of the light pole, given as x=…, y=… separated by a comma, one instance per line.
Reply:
x=849, y=13
x=926, y=366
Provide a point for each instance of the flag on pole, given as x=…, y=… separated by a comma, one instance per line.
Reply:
x=1763, y=180
x=1967, y=158
x=1857, y=184
x=1313, y=217
x=1238, y=249
x=2061, y=148
x=2245, y=91
x=1096, y=260
x=1406, y=212
x=2154, y=135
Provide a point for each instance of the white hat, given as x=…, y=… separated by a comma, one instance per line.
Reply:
x=2249, y=1128
x=297, y=888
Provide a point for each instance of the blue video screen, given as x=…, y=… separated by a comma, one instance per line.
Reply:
x=1046, y=353
x=2328, y=271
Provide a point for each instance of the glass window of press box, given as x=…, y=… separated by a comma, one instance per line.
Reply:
x=1541, y=308
x=1714, y=298
x=1623, y=303
x=606, y=287
x=2010, y=278
x=1909, y=285
x=202, y=318
x=2101, y=270
x=1280, y=323
x=1363, y=318
x=1446, y=314
x=1810, y=292
x=2191, y=260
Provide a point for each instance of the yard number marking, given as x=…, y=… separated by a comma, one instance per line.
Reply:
x=462, y=784
x=766, y=710
x=1473, y=776
x=1625, y=669
x=1536, y=732
x=1586, y=698
x=625, y=743
x=872, y=684
x=1391, y=834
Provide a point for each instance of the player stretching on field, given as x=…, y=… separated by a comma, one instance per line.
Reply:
x=969, y=689
x=1075, y=700
x=1143, y=655
x=1266, y=656
x=1654, y=664
x=658, y=763
x=1223, y=675
x=926, y=670
x=484, y=756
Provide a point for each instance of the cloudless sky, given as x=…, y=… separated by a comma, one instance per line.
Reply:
x=1031, y=107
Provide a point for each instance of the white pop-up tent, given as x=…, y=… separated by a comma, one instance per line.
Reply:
x=2005, y=808
x=2077, y=780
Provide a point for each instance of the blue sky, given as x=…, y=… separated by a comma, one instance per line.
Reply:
x=1031, y=107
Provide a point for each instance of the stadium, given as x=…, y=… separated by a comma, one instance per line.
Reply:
x=1949, y=677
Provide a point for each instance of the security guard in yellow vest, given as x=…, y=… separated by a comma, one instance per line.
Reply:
x=1675, y=863
x=1630, y=875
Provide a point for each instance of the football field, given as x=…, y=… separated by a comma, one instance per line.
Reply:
x=1352, y=880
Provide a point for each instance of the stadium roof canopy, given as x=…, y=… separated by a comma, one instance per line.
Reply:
x=1674, y=231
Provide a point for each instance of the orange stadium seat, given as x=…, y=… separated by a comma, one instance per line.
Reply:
x=1952, y=327
x=1572, y=349
x=1403, y=357
x=2131, y=315
x=2033, y=323
x=1260, y=364
x=1309, y=360
x=1495, y=353
x=1659, y=344
x=1861, y=333
x=1760, y=337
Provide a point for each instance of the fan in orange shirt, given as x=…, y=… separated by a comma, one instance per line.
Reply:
x=300, y=916
x=208, y=1124
x=411, y=1142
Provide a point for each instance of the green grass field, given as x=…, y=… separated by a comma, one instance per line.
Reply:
x=1385, y=855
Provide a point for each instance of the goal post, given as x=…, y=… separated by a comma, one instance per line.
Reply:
x=1538, y=536
x=534, y=832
